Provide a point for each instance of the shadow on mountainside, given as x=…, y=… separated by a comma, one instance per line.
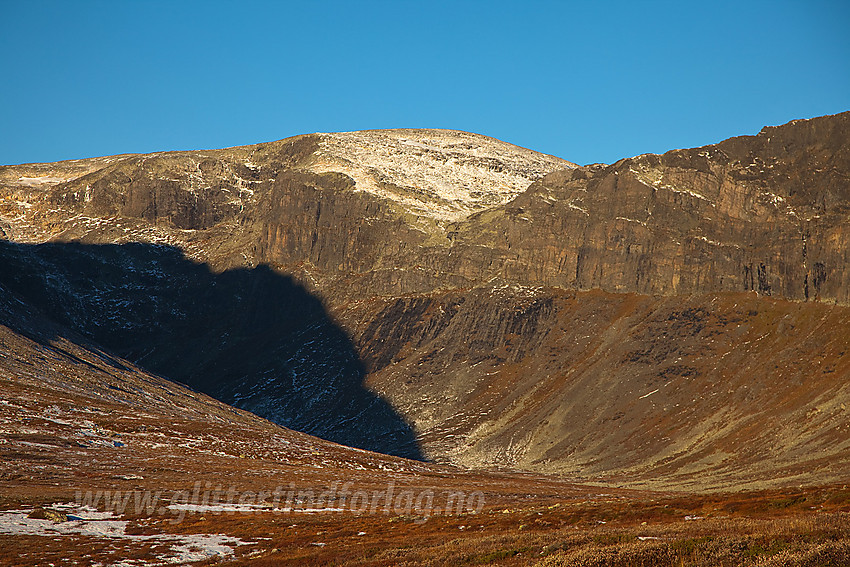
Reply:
x=251, y=338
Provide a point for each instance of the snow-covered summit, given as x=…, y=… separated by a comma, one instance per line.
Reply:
x=442, y=174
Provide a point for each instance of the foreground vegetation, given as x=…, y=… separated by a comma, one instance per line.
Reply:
x=805, y=527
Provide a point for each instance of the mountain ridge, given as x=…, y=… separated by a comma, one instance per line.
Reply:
x=484, y=323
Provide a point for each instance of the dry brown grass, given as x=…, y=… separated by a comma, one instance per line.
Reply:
x=648, y=530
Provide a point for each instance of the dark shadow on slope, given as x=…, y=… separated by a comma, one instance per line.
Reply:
x=251, y=338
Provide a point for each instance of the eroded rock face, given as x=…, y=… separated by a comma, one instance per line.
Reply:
x=765, y=213
x=515, y=309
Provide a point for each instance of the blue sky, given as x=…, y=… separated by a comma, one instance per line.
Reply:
x=586, y=81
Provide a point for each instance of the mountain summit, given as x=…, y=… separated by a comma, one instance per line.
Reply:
x=441, y=174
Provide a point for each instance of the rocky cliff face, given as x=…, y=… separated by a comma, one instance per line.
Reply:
x=763, y=213
x=652, y=317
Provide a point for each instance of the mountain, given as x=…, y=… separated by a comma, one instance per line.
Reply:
x=667, y=320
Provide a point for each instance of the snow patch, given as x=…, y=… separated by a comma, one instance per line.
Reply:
x=42, y=180
x=649, y=394
x=184, y=548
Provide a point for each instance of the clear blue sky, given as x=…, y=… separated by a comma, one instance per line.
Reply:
x=586, y=81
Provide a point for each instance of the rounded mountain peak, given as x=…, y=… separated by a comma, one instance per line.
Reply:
x=442, y=174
